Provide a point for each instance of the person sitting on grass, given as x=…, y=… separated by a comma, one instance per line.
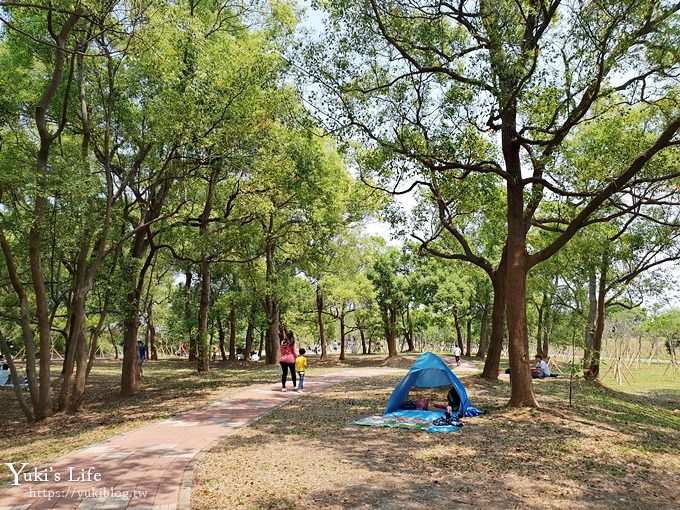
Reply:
x=542, y=369
x=5, y=376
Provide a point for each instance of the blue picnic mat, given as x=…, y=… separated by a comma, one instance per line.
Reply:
x=408, y=419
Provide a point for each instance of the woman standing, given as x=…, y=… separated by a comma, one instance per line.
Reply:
x=287, y=360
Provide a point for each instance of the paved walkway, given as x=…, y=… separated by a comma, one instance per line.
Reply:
x=465, y=366
x=152, y=467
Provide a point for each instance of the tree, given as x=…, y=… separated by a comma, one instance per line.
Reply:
x=347, y=286
x=390, y=293
x=490, y=91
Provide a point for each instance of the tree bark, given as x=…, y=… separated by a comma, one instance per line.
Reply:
x=521, y=388
x=26, y=328
x=131, y=321
x=222, y=335
x=409, y=330
x=539, y=327
x=393, y=314
x=547, y=325
x=271, y=302
x=46, y=139
x=498, y=313
x=341, y=317
x=468, y=340
x=77, y=319
x=459, y=335
x=593, y=372
x=320, y=322
x=4, y=349
x=363, y=341
x=188, y=316
x=261, y=346
x=203, y=358
x=250, y=333
x=152, y=332
x=592, y=316
x=484, y=332
x=232, y=335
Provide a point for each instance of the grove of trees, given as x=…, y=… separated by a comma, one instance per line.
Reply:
x=203, y=172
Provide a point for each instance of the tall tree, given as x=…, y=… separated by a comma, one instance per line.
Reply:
x=490, y=91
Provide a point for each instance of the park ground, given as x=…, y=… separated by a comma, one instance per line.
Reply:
x=615, y=447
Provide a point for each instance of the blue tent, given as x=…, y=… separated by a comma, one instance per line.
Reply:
x=429, y=371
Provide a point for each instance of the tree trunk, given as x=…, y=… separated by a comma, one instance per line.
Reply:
x=261, y=346
x=539, y=327
x=46, y=139
x=592, y=316
x=26, y=328
x=44, y=408
x=250, y=333
x=320, y=322
x=131, y=320
x=468, y=341
x=459, y=335
x=78, y=390
x=115, y=345
x=272, y=337
x=409, y=330
x=222, y=335
x=547, y=325
x=593, y=372
x=484, y=332
x=392, y=332
x=272, y=304
x=4, y=349
x=363, y=341
x=342, y=332
x=203, y=359
x=232, y=335
x=76, y=314
x=498, y=312
x=188, y=316
x=521, y=388
x=152, y=332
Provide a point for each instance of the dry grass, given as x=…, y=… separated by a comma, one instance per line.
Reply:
x=170, y=387
x=610, y=450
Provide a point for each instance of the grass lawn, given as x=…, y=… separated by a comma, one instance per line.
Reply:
x=609, y=450
x=658, y=380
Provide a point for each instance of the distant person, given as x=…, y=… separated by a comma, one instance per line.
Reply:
x=456, y=354
x=254, y=356
x=5, y=374
x=300, y=367
x=183, y=349
x=214, y=353
x=141, y=356
x=287, y=360
x=542, y=369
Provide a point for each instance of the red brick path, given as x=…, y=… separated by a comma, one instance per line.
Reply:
x=151, y=467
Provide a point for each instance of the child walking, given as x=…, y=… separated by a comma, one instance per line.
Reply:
x=300, y=367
